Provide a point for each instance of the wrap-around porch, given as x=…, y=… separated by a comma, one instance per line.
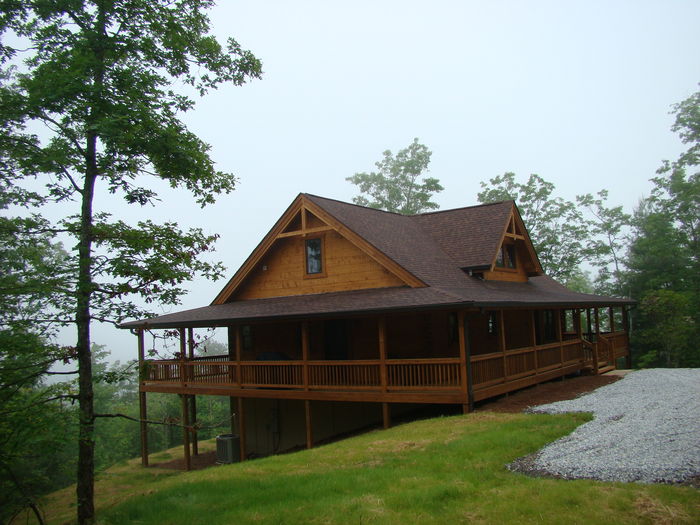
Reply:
x=446, y=357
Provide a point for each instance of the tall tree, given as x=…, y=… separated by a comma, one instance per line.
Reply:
x=396, y=186
x=608, y=228
x=88, y=103
x=664, y=254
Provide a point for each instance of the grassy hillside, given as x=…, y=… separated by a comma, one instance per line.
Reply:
x=445, y=470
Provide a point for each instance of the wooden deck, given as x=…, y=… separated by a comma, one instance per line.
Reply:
x=427, y=380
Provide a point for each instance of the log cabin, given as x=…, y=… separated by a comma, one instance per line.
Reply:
x=345, y=316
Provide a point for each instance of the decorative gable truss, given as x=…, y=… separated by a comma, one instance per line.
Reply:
x=308, y=251
x=515, y=259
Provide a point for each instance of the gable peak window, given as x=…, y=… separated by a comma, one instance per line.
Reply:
x=314, y=256
x=506, y=257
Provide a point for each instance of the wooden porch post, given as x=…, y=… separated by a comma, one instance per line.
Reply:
x=183, y=357
x=241, y=428
x=560, y=337
x=386, y=414
x=596, y=318
x=502, y=342
x=186, y=431
x=533, y=337
x=463, y=361
x=626, y=328
x=611, y=315
x=305, y=352
x=239, y=345
x=143, y=413
x=232, y=375
x=589, y=325
x=309, y=428
x=193, y=399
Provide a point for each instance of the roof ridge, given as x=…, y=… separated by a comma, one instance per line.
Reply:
x=401, y=214
x=356, y=205
x=483, y=205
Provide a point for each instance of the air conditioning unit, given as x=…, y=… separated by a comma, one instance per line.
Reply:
x=228, y=449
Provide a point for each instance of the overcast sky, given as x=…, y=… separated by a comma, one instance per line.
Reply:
x=578, y=92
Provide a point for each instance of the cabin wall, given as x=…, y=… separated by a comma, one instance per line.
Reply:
x=274, y=426
x=518, y=325
x=282, y=272
x=424, y=334
x=481, y=341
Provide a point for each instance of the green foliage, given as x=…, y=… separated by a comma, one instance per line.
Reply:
x=607, y=240
x=666, y=328
x=664, y=255
x=88, y=104
x=396, y=186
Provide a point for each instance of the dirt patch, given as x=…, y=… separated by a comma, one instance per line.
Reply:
x=556, y=390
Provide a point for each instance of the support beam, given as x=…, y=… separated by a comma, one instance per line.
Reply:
x=386, y=415
x=143, y=416
x=309, y=427
x=463, y=364
x=533, y=337
x=560, y=336
x=183, y=357
x=611, y=315
x=193, y=399
x=186, y=432
x=241, y=428
x=626, y=327
x=143, y=412
x=502, y=341
x=305, y=353
x=381, y=334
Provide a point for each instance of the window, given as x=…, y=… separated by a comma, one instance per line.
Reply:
x=314, y=258
x=506, y=256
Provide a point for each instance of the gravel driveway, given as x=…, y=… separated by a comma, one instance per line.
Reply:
x=646, y=428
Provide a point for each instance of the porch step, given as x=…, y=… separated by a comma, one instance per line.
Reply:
x=604, y=369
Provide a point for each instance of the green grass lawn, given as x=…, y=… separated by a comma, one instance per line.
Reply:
x=445, y=470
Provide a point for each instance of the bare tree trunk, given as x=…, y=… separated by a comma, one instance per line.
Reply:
x=86, y=440
x=86, y=436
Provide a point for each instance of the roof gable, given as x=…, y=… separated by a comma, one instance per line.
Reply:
x=305, y=218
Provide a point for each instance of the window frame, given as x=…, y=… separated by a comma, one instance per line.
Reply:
x=507, y=254
x=322, y=245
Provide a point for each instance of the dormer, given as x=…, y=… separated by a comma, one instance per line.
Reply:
x=515, y=259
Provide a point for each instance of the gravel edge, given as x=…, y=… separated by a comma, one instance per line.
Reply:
x=646, y=429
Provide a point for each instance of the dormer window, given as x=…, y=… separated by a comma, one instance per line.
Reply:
x=314, y=256
x=506, y=256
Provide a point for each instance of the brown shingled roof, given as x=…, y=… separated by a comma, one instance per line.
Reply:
x=433, y=247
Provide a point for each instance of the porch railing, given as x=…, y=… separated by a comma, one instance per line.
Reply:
x=402, y=374
x=500, y=367
x=393, y=375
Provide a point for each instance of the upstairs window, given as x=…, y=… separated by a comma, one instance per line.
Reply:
x=506, y=257
x=314, y=256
